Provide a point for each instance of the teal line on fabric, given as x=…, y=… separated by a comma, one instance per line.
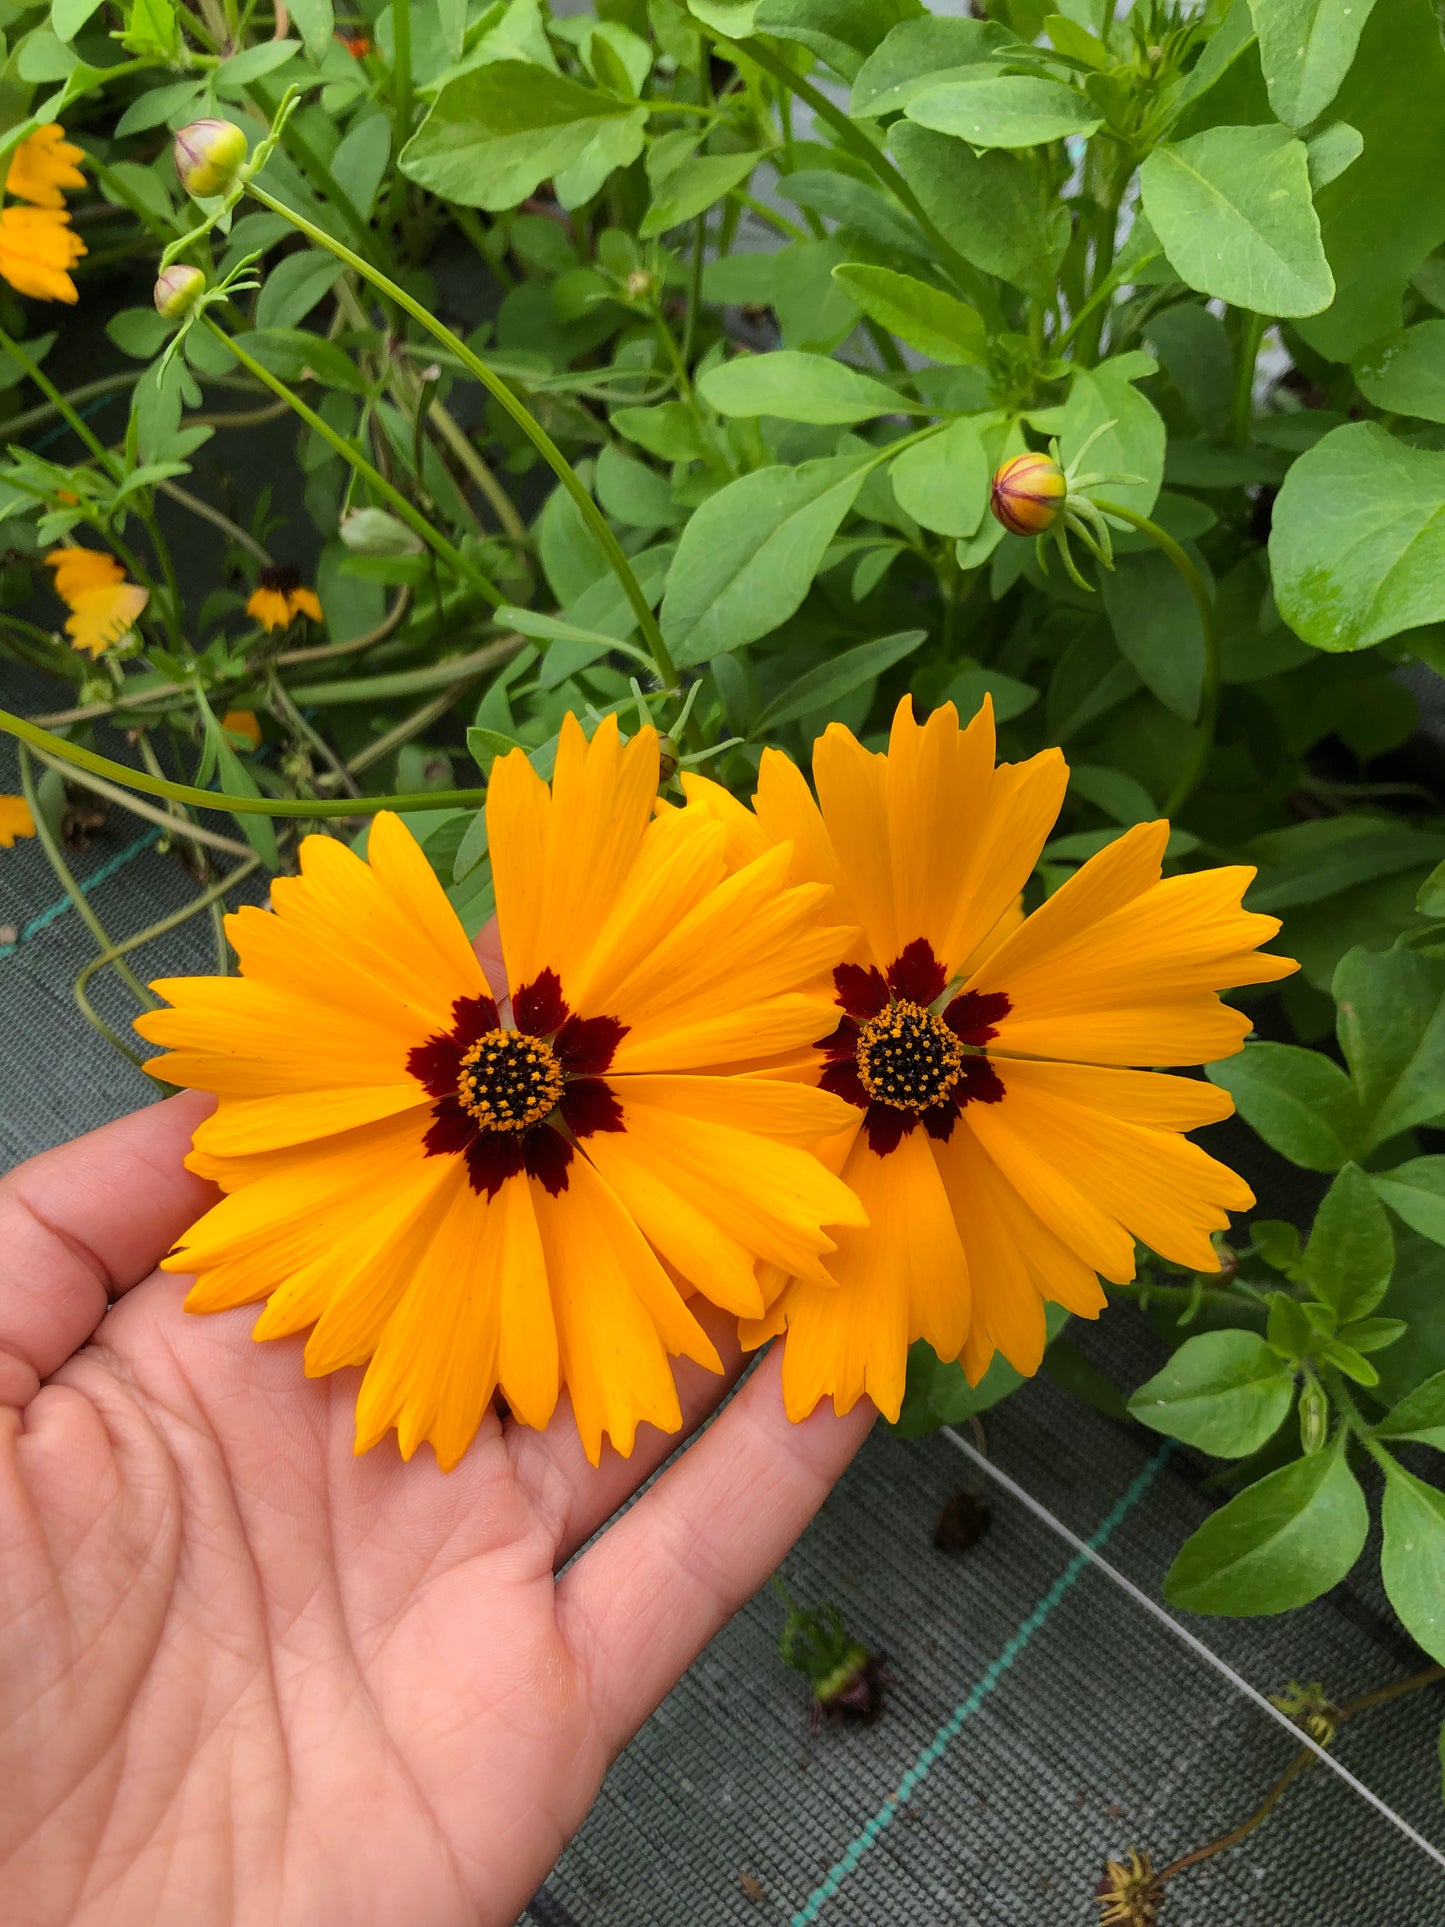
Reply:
x=107, y=870
x=967, y=1707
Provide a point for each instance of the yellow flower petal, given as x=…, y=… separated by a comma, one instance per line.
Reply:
x=15, y=820
x=43, y=164
x=38, y=247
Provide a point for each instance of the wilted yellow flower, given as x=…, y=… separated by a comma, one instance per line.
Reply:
x=15, y=820
x=38, y=248
x=43, y=164
x=103, y=604
x=1129, y=1893
x=280, y=596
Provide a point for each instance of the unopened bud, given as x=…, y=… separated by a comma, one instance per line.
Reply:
x=1028, y=494
x=1314, y=1415
x=639, y=285
x=375, y=532
x=177, y=290
x=208, y=156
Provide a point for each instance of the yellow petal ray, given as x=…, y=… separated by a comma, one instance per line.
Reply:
x=400, y=867
x=528, y=1364
x=937, y=784
x=679, y=860
x=1031, y=1164
x=618, y=1314
x=726, y=1038
x=519, y=807
x=240, y=1038
x=743, y=835
x=1022, y=802
x=1155, y=1184
x=704, y=1143
x=602, y=801
x=1179, y=1030
x=852, y=784
x=246, y=1124
x=433, y=1372
x=930, y=1254
x=787, y=813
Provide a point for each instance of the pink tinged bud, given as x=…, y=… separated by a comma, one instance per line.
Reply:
x=176, y=290
x=208, y=156
x=1028, y=494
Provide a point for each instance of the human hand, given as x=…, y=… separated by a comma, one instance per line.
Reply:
x=247, y=1676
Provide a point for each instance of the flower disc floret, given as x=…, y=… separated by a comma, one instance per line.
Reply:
x=508, y=1082
x=908, y=1058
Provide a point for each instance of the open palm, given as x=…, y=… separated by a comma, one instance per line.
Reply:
x=246, y=1676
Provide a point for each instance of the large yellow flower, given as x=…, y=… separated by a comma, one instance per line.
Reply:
x=103, y=605
x=15, y=820
x=38, y=248
x=43, y=164
x=1003, y=1145
x=461, y=1200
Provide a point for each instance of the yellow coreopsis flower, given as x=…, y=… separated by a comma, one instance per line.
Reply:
x=103, y=604
x=1003, y=1144
x=42, y=165
x=243, y=722
x=280, y=596
x=460, y=1196
x=15, y=820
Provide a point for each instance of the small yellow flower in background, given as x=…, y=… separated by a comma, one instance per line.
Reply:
x=15, y=820
x=38, y=248
x=43, y=164
x=460, y=1200
x=242, y=722
x=1042, y=1153
x=104, y=605
x=280, y=596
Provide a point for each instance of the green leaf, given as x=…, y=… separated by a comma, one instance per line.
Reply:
x=494, y=134
x=1198, y=358
x=798, y=388
x=1412, y=1556
x=452, y=22
x=842, y=32
x=1232, y=209
x=1430, y=901
x=748, y=556
x=1419, y=1415
x=943, y=482
x=692, y=188
x=1287, y=1329
x=633, y=493
x=67, y=17
x=359, y=164
x=1391, y=1023
x=1224, y=1392
x=1305, y=49
x=916, y=56
x=1277, y=1242
x=1009, y=696
x=1156, y=626
x=1012, y=110
x=1357, y=545
x=1119, y=795
x=939, y=1394
x=1278, y=1544
x=1308, y=862
x=834, y=679
x=235, y=75
x=297, y=352
x=987, y=205
x=858, y=206
x=1331, y=151
x=1301, y=1102
x=1374, y=1334
x=1415, y=1191
x=294, y=286
x=315, y=21
x=1405, y=372
x=1351, y=1253
x=935, y=323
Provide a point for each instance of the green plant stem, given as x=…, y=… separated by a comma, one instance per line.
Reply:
x=760, y=210
x=81, y=758
x=1188, y=779
x=401, y=76
x=66, y=879
x=233, y=530
x=413, y=517
x=22, y=424
x=115, y=793
x=467, y=453
x=401, y=733
x=1251, y=334
x=294, y=142
x=596, y=522
x=282, y=705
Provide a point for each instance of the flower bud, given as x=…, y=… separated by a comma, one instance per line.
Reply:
x=1028, y=494
x=1314, y=1416
x=177, y=289
x=208, y=156
x=639, y=285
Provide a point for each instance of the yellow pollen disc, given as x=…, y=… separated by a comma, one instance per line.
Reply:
x=509, y=1081
x=908, y=1058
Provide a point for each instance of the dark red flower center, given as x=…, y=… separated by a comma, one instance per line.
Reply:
x=518, y=1099
x=901, y=1062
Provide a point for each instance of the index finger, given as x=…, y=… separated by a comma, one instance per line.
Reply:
x=83, y=1223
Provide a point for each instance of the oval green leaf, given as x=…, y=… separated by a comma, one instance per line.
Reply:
x=1412, y=1556
x=1351, y=1253
x=1224, y=1392
x=1278, y=1544
x=1009, y=110
x=798, y=388
x=937, y=324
